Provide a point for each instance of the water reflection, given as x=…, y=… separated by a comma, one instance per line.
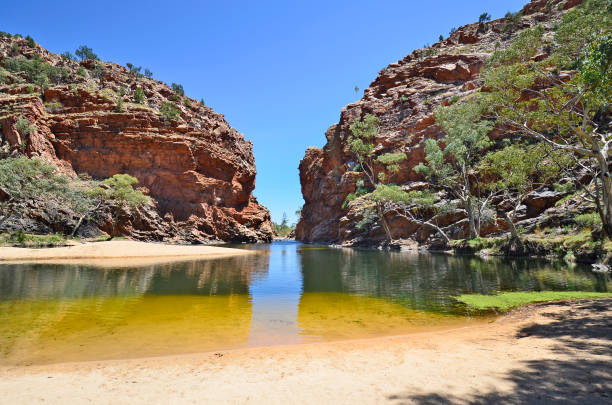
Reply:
x=287, y=293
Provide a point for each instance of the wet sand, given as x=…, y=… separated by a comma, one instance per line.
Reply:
x=552, y=353
x=116, y=253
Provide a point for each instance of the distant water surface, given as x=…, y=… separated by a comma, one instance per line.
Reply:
x=287, y=293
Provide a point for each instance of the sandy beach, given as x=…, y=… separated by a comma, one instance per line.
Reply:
x=552, y=353
x=117, y=253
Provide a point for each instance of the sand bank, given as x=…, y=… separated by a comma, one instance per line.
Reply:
x=117, y=253
x=556, y=353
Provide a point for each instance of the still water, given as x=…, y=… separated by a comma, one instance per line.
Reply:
x=286, y=293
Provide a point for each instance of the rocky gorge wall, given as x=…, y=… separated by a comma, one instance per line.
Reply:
x=404, y=97
x=199, y=170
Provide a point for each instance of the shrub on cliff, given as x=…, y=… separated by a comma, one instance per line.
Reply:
x=178, y=89
x=169, y=111
x=139, y=95
x=119, y=189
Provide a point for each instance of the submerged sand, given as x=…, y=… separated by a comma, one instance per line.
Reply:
x=555, y=353
x=117, y=253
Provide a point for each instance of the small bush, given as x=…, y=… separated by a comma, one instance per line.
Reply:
x=588, y=220
x=178, y=89
x=31, y=42
x=81, y=72
x=187, y=102
x=53, y=106
x=23, y=127
x=68, y=56
x=169, y=111
x=139, y=95
x=148, y=73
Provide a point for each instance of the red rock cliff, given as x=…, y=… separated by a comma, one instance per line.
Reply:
x=404, y=97
x=198, y=169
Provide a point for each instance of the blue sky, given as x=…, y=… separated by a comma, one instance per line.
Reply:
x=280, y=71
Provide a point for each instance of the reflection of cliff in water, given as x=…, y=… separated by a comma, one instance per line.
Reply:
x=209, y=277
x=429, y=281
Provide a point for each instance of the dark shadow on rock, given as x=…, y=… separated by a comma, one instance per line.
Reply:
x=583, y=336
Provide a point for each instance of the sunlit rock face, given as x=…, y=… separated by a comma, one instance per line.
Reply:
x=199, y=170
x=404, y=97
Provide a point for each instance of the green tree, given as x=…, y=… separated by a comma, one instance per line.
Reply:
x=178, y=89
x=119, y=190
x=148, y=73
x=451, y=166
x=517, y=172
x=570, y=113
x=85, y=52
x=362, y=143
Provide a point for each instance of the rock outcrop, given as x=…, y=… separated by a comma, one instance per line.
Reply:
x=199, y=171
x=404, y=97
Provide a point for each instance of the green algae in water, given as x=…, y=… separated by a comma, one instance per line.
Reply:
x=509, y=300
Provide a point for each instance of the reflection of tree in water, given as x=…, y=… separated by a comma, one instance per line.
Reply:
x=428, y=281
x=210, y=277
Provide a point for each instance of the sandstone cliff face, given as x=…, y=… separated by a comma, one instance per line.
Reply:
x=198, y=169
x=404, y=97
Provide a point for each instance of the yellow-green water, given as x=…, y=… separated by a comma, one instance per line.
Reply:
x=294, y=294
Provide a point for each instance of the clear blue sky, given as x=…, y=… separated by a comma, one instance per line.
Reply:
x=280, y=71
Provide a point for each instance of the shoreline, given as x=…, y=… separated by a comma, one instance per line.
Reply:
x=538, y=351
x=119, y=253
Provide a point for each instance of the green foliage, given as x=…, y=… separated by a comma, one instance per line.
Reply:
x=512, y=22
x=22, y=239
x=139, y=95
x=392, y=160
x=68, y=56
x=362, y=133
x=283, y=229
x=596, y=70
x=526, y=45
x=31, y=42
x=579, y=28
x=34, y=182
x=508, y=300
x=368, y=217
x=119, y=105
x=466, y=138
x=120, y=190
x=452, y=31
x=35, y=69
x=85, y=52
x=148, y=73
x=522, y=167
x=23, y=127
x=454, y=99
x=134, y=70
x=441, y=38
x=202, y=102
x=187, y=102
x=53, y=106
x=178, y=89
x=484, y=17
x=169, y=111
x=588, y=220
x=81, y=72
